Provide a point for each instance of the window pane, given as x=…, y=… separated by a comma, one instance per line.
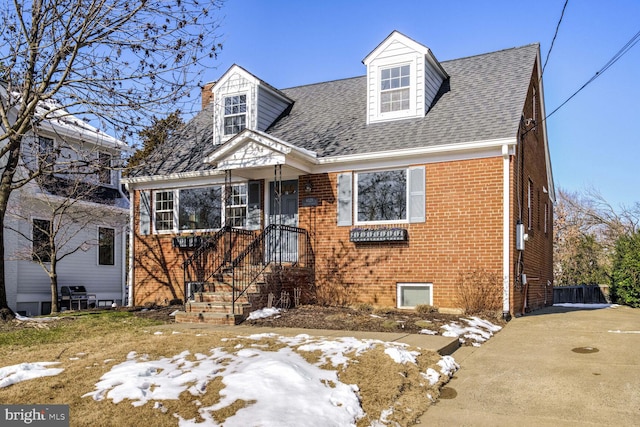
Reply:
x=382, y=196
x=235, y=108
x=106, y=246
x=164, y=210
x=200, y=208
x=411, y=296
x=40, y=240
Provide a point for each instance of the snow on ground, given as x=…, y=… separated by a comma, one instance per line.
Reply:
x=27, y=371
x=476, y=330
x=263, y=313
x=577, y=305
x=280, y=385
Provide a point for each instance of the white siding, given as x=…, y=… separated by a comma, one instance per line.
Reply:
x=269, y=108
x=235, y=84
x=81, y=268
x=426, y=78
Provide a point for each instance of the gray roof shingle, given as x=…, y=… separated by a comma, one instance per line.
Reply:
x=482, y=100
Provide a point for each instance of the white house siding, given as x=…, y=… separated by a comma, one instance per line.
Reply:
x=269, y=108
x=235, y=84
x=32, y=284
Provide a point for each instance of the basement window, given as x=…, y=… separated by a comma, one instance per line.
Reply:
x=411, y=295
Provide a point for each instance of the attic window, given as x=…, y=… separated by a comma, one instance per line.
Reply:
x=394, y=88
x=235, y=114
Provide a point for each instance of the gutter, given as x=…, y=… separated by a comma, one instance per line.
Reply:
x=506, y=203
x=131, y=253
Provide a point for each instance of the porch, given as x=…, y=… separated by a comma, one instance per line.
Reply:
x=237, y=271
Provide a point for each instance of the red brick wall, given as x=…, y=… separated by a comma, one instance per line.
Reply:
x=158, y=274
x=462, y=233
x=536, y=260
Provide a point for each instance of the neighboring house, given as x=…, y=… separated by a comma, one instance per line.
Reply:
x=401, y=182
x=79, y=199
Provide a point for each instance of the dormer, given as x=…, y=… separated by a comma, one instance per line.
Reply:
x=403, y=79
x=243, y=101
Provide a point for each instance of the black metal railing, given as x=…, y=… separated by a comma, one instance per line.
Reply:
x=213, y=258
x=277, y=246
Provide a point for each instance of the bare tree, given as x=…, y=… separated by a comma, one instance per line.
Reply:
x=121, y=61
x=586, y=229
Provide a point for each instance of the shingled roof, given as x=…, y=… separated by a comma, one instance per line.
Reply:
x=482, y=100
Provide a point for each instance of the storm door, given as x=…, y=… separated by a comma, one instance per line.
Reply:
x=282, y=245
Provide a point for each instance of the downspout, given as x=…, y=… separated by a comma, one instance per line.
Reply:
x=506, y=312
x=131, y=246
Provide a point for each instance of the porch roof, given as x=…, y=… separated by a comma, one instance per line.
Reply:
x=254, y=151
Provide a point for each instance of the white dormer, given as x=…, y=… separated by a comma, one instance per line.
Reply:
x=243, y=101
x=403, y=78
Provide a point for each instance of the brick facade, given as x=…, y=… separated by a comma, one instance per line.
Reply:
x=462, y=234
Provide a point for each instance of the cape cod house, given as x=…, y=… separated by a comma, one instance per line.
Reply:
x=387, y=189
x=75, y=212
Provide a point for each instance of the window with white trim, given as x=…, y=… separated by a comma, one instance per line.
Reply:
x=381, y=196
x=106, y=246
x=237, y=209
x=394, y=88
x=235, y=114
x=163, y=211
x=411, y=295
x=200, y=208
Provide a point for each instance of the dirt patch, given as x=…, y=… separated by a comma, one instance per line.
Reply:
x=354, y=319
x=307, y=317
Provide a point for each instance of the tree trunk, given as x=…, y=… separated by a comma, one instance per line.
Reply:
x=53, y=276
x=6, y=180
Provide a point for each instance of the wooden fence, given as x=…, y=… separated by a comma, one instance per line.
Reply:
x=583, y=294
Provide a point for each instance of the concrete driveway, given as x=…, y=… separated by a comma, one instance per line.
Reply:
x=553, y=367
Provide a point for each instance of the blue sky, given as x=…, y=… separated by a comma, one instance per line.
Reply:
x=593, y=138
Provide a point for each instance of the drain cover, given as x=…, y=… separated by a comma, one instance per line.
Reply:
x=585, y=350
x=448, y=393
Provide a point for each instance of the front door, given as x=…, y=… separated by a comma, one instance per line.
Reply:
x=284, y=247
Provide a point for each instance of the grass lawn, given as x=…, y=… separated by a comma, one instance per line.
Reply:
x=89, y=345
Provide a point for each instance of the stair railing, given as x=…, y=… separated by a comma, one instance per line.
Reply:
x=278, y=244
x=212, y=258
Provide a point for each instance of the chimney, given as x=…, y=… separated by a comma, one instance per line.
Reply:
x=207, y=94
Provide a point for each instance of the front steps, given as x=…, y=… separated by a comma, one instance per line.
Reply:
x=216, y=307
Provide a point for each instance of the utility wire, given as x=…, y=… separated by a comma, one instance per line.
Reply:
x=632, y=42
x=554, y=37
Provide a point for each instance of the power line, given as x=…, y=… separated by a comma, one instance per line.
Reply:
x=632, y=42
x=554, y=37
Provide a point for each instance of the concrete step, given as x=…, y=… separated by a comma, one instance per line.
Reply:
x=217, y=307
x=209, y=318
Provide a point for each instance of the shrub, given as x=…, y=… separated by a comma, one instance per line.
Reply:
x=426, y=309
x=625, y=277
x=479, y=291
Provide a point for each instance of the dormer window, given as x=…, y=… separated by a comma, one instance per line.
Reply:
x=394, y=89
x=235, y=114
